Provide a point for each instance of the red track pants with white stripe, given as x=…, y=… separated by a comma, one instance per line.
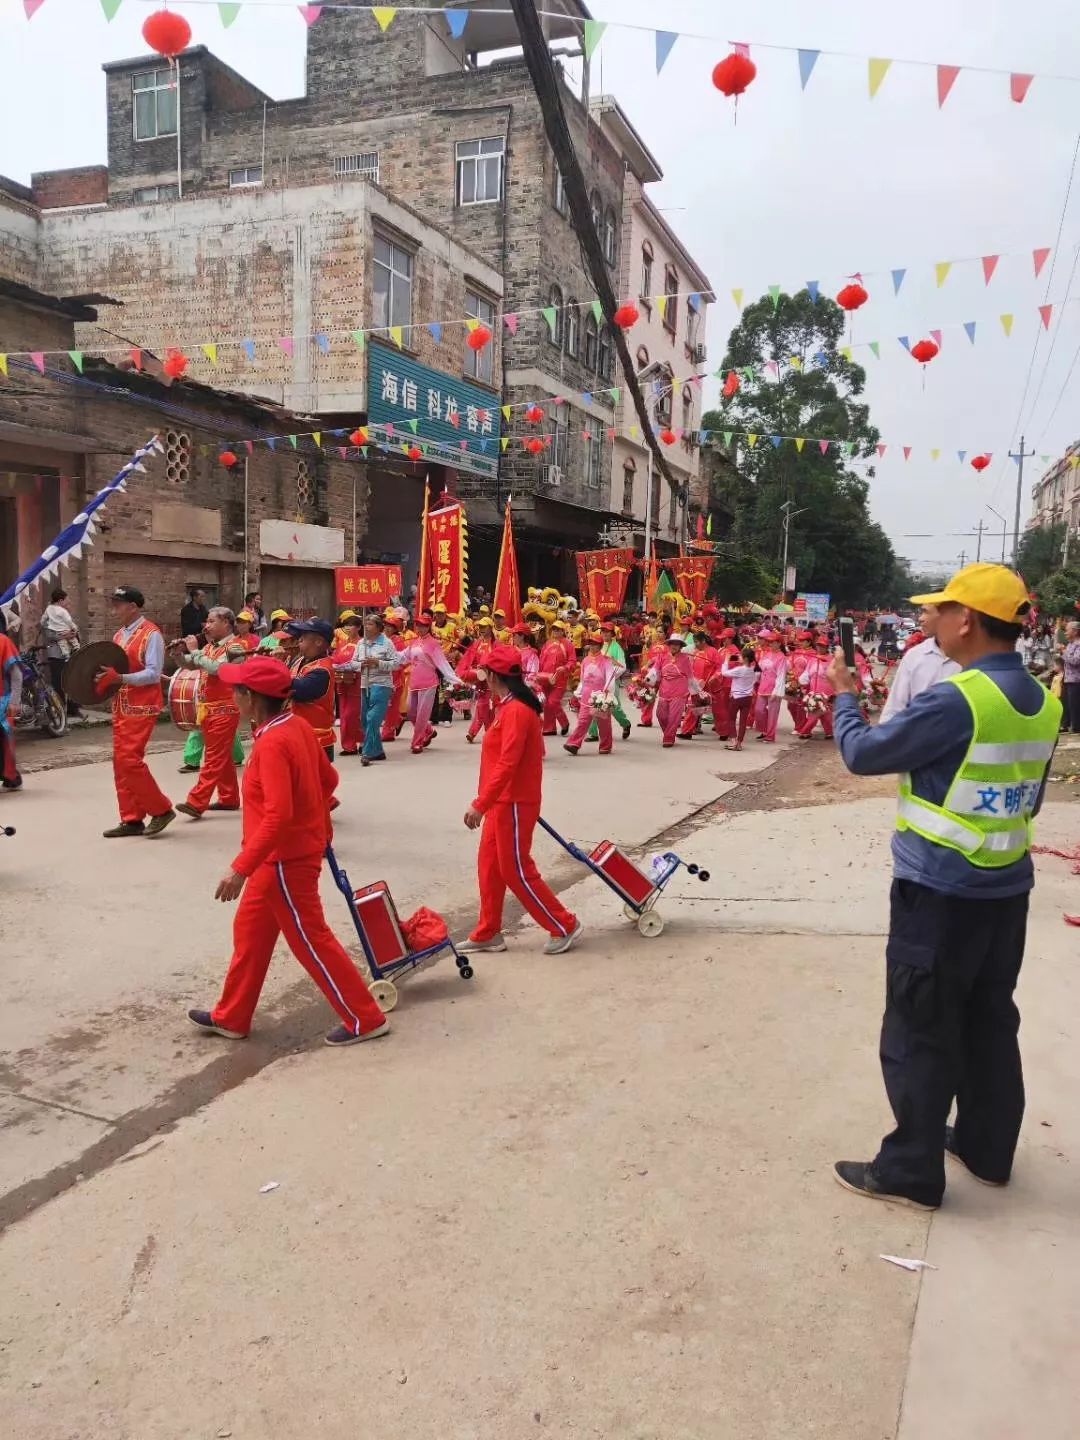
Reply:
x=282, y=898
x=505, y=862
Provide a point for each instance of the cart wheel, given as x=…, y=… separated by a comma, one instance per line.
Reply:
x=384, y=993
x=630, y=913
x=704, y=875
x=466, y=972
x=650, y=924
x=693, y=869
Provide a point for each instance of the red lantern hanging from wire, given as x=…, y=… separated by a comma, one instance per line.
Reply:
x=228, y=459
x=534, y=414
x=852, y=296
x=924, y=351
x=668, y=437
x=731, y=385
x=627, y=316
x=479, y=338
x=167, y=33
x=415, y=453
x=535, y=446
x=732, y=76
x=980, y=462
x=358, y=437
x=176, y=362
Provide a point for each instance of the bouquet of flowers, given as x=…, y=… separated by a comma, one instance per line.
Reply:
x=818, y=704
x=640, y=692
x=460, y=698
x=872, y=697
x=601, y=703
x=792, y=688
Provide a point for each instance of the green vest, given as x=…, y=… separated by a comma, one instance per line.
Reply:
x=987, y=811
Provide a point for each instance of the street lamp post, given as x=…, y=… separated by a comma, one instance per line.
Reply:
x=1004, y=529
x=789, y=515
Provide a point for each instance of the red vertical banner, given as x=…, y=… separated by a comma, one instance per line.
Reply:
x=448, y=557
x=423, y=579
x=692, y=574
x=507, y=583
x=604, y=576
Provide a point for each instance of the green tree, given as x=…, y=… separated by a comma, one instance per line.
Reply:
x=811, y=393
x=1058, y=593
x=1040, y=553
x=739, y=578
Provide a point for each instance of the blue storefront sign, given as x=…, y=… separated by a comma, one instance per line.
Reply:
x=457, y=421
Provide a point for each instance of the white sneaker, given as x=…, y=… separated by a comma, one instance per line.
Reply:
x=478, y=947
x=559, y=944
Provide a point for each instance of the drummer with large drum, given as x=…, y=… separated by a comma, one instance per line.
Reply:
x=197, y=695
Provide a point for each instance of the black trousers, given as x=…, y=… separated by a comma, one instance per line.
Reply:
x=950, y=1032
x=1072, y=707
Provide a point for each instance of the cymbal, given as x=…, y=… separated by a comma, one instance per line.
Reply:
x=77, y=676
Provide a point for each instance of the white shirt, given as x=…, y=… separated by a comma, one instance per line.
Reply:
x=924, y=665
x=744, y=679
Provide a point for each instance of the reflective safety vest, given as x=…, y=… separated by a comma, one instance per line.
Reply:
x=987, y=812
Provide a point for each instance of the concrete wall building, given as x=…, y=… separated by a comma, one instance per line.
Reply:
x=1055, y=496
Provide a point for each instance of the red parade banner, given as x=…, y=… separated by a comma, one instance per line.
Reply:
x=603, y=576
x=691, y=574
x=448, y=557
x=367, y=586
x=507, y=597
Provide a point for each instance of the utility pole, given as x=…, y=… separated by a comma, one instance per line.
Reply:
x=1019, y=492
x=1004, y=529
x=978, y=543
x=789, y=515
x=963, y=558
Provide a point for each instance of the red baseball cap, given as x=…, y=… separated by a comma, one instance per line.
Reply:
x=521, y=629
x=503, y=660
x=262, y=674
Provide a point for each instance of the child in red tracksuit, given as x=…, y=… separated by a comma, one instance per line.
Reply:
x=288, y=783
x=507, y=804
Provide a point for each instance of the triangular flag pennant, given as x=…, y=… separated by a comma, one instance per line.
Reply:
x=776, y=441
x=634, y=432
x=960, y=455
x=506, y=413
x=935, y=335
x=905, y=341
x=471, y=324
x=849, y=447
x=989, y=264
x=946, y=78
x=3, y=365
x=877, y=70
x=1007, y=324
x=76, y=358
x=751, y=440
x=598, y=312
x=38, y=357
x=316, y=435
x=414, y=425
x=737, y=296
x=1019, y=85
x=389, y=428
x=846, y=351
x=292, y=441
x=814, y=288
x=661, y=305
x=881, y=452
x=285, y=341
x=358, y=339
x=397, y=335
x=343, y=451
x=586, y=398
x=897, y=280
x=511, y=323
x=548, y=313
x=796, y=363
x=665, y=43
x=249, y=348
x=773, y=368
x=823, y=446
x=210, y=351
x=615, y=392
x=310, y=13
x=111, y=7
x=969, y=328
x=1046, y=311
x=799, y=443
x=807, y=60
x=594, y=30
x=505, y=442
x=272, y=443
x=136, y=359
x=323, y=342
x=907, y=452
x=934, y=454
x=456, y=20
x=31, y=7
x=875, y=346
x=249, y=446
x=941, y=270
x=384, y=15
x=227, y=12
x=774, y=295
x=1040, y=258
x=436, y=331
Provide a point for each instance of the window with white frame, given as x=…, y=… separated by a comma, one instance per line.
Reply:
x=245, y=175
x=364, y=166
x=559, y=200
x=664, y=382
x=393, y=284
x=560, y=429
x=572, y=327
x=151, y=194
x=591, y=337
x=154, y=108
x=671, y=291
x=609, y=237
x=606, y=354
x=479, y=363
x=555, y=302
x=480, y=170
x=646, y=271
x=594, y=457
x=693, y=324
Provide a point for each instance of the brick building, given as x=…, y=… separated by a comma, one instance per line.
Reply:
x=1055, y=496
x=280, y=521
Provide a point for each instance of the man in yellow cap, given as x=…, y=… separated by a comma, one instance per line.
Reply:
x=972, y=753
x=443, y=628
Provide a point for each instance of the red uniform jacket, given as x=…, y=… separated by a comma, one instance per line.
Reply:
x=288, y=782
x=319, y=714
x=512, y=760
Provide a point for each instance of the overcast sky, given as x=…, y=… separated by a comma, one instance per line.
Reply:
x=808, y=186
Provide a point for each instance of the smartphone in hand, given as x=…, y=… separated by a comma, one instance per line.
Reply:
x=847, y=640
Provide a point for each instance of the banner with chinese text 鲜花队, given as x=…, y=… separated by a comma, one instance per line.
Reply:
x=448, y=557
x=367, y=586
x=603, y=576
x=692, y=574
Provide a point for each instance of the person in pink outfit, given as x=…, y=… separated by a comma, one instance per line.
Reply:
x=598, y=676
x=425, y=656
x=742, y=676
x=773, y=665
x=652, y=655
x=471, y=671
x=557, y=660
x=814, y=681
x=674, y=676
x=521, y=638
x=797, y=661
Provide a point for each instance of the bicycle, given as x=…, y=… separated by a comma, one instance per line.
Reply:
x=42, y=708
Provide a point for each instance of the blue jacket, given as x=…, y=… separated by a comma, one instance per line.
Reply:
x=930, y=739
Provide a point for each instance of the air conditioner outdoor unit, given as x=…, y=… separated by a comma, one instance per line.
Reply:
x=553, y=475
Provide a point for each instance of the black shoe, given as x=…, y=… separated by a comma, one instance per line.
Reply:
x=951, y=1150
x=341, y=1035
x=125, y=828
x=564, y=732
x=159, y=822
x=376, y=758
x=205, y=1021
x=684, y=737
x=858, y=1176
x=189, y=811
x=644, y=724
x=626, y=732
x=13, y=784
x=189, y=769
x=217, y=805
x=592, y=739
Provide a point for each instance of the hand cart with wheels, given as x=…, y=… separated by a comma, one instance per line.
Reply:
x=382, y=940
x=638, y=890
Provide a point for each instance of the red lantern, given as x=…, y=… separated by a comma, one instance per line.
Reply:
x=627, y=316
x=227, y=458
x=534, y=446
x=668, y=437
x=358, y=437
x=731, y=385
x=176, y=362
x=980, y=462
x=415, y=453
x=924, y=351
x=534, y=414
x=852, y=296
x=734, y=74
x=478, y=338
x=167, y=33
